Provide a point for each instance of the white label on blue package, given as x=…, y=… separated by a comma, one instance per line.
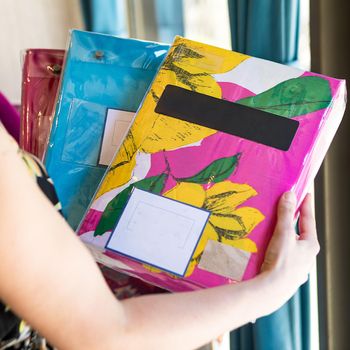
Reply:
x=116, y=126
x=158, y=231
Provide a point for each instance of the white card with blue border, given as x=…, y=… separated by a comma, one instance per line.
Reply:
x=158, y=231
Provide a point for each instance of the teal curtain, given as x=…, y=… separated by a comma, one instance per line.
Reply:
x=269, y=29
x=286, y=329
x=105, y=16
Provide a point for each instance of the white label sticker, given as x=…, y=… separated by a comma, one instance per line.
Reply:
x=116, y=126
x=158, y=231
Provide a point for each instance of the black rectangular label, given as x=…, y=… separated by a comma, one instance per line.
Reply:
x=232, y=118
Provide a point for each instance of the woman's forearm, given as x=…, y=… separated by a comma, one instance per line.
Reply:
x=188, y=320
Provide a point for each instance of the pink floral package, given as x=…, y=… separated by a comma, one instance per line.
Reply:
x=189, y=200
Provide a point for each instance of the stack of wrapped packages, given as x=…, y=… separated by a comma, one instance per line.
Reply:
x=169, y=161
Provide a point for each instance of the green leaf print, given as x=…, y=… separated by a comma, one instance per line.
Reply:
x=293, y=97
x=217, y=171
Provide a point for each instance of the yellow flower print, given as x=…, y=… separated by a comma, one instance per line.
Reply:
x=227, y=223
x=120, y=171
x=189, y=65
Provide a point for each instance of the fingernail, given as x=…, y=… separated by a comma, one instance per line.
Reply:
x=289, y=197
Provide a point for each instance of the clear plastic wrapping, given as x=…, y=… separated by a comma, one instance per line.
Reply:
x=40, y=80
x=103, y=83
x=219, y=135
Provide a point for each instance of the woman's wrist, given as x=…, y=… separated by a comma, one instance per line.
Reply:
x=272, y=293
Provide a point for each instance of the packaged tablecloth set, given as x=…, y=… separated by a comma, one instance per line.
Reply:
x=189, y=200
x=103, y=83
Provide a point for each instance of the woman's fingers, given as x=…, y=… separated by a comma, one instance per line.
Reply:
x=285, y=214
x=307, y=224
x=284, y=231
x=289, y=259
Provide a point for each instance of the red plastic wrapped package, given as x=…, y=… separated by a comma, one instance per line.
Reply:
x=40, y=79
x=124, y=286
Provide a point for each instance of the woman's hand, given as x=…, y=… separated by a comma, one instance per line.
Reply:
x=289, y=257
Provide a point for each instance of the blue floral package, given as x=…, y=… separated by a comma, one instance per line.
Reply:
x=104, y=81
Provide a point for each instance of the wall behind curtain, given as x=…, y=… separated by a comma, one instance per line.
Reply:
x=213, y=29
x=330, y=54
x=155, y=20
x=29, y=24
